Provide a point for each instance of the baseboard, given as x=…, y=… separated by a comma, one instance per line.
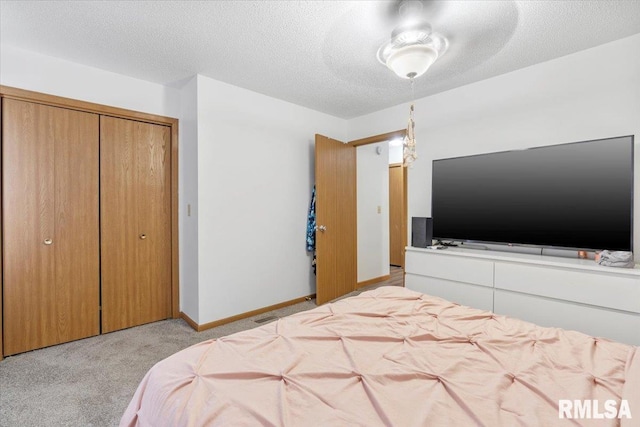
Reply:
x=189, y=321
x=372, y=281
x=241, y=316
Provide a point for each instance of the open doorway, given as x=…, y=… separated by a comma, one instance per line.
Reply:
x=397, y=204
x=382, y=209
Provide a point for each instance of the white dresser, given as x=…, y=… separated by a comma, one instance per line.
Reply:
x=568, y=293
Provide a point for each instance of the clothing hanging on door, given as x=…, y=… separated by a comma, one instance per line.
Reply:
x=311, y=228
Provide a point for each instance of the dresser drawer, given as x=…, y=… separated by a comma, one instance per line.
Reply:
x=594, y=321
x=454, y=268
x=464, y=294
x=599, y=289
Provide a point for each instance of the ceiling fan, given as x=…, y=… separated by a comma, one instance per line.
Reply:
x=413, y=46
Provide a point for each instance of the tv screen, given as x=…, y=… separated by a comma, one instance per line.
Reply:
x=577, y=196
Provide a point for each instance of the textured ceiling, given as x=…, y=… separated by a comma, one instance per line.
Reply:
x=319, y=54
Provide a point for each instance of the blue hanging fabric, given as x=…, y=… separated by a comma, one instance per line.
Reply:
x=311, y=228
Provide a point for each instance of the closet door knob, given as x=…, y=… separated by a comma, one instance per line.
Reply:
x=47, y=241
x=143, y=236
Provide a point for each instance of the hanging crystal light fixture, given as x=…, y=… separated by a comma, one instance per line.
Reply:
x=409, y=143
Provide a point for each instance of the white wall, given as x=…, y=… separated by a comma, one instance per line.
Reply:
x=32, y=71
x=255, y=174
x=373, y=210
x=188, y=196
x=587, y=95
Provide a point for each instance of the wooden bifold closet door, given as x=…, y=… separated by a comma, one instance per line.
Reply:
x=89, y=221
x=135, y=206
x=50, y=225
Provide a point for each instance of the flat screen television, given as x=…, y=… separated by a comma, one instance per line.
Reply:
x=574, y=196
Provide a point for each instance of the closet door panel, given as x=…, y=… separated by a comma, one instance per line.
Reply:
x=119, y=225
x=154, y=220
x=28, y=220
x=50, y=296
x=77, y=228
x=135, y=223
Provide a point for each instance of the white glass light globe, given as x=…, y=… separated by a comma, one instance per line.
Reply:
x=412, y=61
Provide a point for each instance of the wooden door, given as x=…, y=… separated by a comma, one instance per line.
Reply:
x=397, y=214
x=136, y=222
x=336, y=268
x=50, y=222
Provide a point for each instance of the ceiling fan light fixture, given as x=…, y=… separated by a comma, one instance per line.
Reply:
x=410, y=53
x=412, y=49
x=411, y=61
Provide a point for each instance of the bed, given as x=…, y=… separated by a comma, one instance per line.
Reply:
x=390, y=357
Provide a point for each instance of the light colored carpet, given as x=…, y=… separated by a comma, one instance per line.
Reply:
x=90, y=382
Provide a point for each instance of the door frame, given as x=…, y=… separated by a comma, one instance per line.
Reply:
x=379, y=138
x=90, y=107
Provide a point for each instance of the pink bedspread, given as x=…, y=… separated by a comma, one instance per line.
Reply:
x=389, y=357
